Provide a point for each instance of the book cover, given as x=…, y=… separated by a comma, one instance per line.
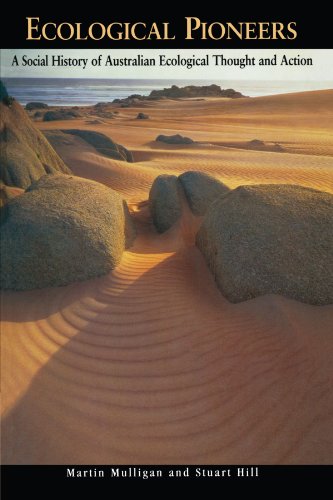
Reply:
x=166, y=247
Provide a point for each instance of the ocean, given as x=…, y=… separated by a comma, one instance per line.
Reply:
x=83, y=92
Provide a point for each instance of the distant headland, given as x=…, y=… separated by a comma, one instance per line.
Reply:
x=189, y=91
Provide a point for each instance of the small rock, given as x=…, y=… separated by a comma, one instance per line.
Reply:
x=142, y=116
x=61, y=114
x=35, y=105
x=174, y=139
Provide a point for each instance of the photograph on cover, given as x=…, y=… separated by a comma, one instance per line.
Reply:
x=167, y=266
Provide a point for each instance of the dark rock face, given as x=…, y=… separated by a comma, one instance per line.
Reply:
x=35, y=105
x=103, y=144
x=174, y=139
x=142, y=116
x=61, y=230
x=61, y=114
x=3, y=91
x=165, y=202
x=271, y=239
x=25, y=154
x=201, y=190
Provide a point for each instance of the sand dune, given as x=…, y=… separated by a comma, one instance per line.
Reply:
x=303, y=128
x=150, y=364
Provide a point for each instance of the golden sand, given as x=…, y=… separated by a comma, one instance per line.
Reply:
x=150, y=364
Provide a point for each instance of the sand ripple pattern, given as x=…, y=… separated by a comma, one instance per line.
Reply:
x=150, y=364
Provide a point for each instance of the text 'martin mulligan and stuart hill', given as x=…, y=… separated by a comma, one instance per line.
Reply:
x=140, y=473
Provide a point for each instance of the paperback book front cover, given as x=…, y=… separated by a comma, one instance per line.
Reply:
x=166, y=246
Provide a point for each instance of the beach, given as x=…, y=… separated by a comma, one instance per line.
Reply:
x=151, y=364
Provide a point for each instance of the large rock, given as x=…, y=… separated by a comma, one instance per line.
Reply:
x=201, y=190
x=103, y=144
x=165, y=202
x=25, y=154
x=271, y=239
x=174, y=139
x=61, y=230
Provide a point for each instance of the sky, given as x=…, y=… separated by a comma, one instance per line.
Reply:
x=321, y=70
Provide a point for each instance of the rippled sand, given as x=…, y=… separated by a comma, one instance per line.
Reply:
x=151, y=364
